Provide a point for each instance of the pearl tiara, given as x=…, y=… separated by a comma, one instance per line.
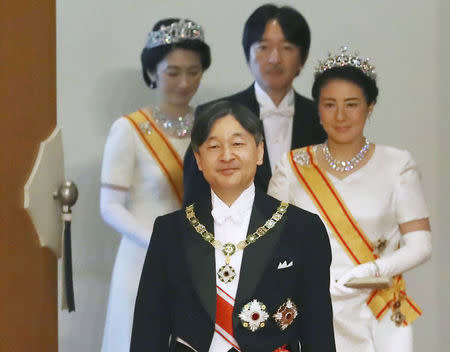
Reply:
x=344, y=58
x=181, y=30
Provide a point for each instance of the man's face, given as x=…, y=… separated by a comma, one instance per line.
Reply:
x=274, y=62
x=229, y=156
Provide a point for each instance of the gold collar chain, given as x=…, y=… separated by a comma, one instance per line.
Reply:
x=227, y=273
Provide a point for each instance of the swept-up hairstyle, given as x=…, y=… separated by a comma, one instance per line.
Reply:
x=151, y=57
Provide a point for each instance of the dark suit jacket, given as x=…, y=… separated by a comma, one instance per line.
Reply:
x=177, y=291
x=306, y=130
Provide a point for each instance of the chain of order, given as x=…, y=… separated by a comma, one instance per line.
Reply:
x=228, y=249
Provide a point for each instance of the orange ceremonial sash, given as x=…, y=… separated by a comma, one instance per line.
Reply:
x=349, y=234
x=161, y=149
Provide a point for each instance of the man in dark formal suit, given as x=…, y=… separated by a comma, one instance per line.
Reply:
x=237, y=270
x=276, y=43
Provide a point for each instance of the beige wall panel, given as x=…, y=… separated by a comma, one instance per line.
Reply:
x=28, y=285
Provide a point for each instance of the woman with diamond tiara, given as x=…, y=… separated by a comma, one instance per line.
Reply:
x=370, y=198
x=142, y=164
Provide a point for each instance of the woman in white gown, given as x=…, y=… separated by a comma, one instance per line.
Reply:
x=370, y=198
x=142, y=164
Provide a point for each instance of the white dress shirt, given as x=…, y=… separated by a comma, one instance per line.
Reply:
x=277, y=121
x=230, y=225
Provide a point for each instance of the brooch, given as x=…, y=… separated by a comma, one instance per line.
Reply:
x=302, y=158
x=286, y=314
x=253, y=315
x=380, y=245
x=145, y=128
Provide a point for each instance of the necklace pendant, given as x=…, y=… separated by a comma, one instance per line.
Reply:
x=226, y=273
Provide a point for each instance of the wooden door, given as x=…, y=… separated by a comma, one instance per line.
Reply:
x=28, y=273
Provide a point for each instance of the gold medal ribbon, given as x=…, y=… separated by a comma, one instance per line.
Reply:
x=349, y=234
x=161, y=149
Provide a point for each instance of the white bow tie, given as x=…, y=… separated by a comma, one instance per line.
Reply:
x=221, y=215
x=285, y=111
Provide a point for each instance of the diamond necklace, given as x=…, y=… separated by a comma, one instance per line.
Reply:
x=227, y=273
x=178, y=127
x=345, y=165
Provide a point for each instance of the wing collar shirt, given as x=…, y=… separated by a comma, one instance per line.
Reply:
x=277, y=121
x=230, y=225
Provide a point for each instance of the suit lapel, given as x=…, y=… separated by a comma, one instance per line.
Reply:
x=201, y=258
x=263, y=172
x=306, y=128
x=299, y=124
x=257, y=255
x=248, y=99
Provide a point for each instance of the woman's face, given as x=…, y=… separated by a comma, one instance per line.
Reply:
x=343, y=111
x=178, y=76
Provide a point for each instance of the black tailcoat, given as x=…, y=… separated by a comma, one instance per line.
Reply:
x=177, y=291
x=306, y=130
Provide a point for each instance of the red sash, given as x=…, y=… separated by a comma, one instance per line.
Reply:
x=224, y=317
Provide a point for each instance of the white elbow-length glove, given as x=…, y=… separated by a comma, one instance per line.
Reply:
x=415, y=251
x=116, y=215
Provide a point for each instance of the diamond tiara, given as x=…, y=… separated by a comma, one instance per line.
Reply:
x=181, y=30
x=344, y=58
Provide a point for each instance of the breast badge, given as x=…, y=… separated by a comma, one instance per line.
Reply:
x=286, y=314
x=254, y=315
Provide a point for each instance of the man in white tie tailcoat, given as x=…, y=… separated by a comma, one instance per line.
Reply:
x=236, y=270
x=276, y=43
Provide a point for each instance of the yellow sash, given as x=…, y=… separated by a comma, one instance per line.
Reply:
x=349, y=235
x=161, y=149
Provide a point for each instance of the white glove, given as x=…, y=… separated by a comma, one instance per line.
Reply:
x=116, y=215
x=338, y=290
x=415, y=251
x=363, y=270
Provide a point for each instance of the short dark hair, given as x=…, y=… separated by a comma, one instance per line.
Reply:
x=150, y=58
x=346, y=73
x=294, y=26
x=205, y=119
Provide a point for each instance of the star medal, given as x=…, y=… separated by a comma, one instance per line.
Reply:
x=286, y=314
x=253, y=315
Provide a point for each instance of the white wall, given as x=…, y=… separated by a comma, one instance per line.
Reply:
x=99, y=44
x=442, y=223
